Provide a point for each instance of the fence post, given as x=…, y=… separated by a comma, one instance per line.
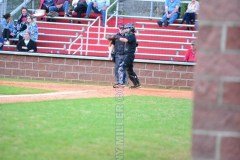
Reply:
x=3, y=7
x=151, y=9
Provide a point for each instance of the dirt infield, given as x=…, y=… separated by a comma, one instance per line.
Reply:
x=73, y=91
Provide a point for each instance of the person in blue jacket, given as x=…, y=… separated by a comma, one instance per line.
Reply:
x=32, y=28
x=8, y=28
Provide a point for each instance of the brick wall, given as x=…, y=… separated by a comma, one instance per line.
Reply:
x=92, y=71
x=216, y=119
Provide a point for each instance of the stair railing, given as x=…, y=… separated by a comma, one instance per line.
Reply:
x=24, y=4
x=115, y=3
x=79, y=48
x=88, y=30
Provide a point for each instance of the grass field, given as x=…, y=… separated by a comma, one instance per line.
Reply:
x=10, y=90
x=155, y=129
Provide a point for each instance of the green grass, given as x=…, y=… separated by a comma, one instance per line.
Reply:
x=10, y=90
x=155, y=129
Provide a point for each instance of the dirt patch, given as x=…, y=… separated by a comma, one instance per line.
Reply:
x=73, y=91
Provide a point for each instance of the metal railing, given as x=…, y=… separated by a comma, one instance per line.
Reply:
x=86, y=37
x=3, y=6
x=115, y=3
x=88, y=30
x=24, y=4
x=79, y=48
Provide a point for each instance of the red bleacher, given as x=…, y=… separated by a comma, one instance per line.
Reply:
x=166, y=43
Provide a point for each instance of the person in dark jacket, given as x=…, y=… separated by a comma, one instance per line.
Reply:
x=117, y=55
x=22, y=20
x=26, y=44
x=79, y=6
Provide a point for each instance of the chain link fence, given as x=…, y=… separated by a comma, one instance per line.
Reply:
x=7, y=6
x=3, y=7
x=146, y=8
x=127, y=7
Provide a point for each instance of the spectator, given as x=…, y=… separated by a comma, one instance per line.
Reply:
x=55, y=6
x=191, y=53
x=1, y=43
x=32, y=28
x=191, y=12
x=1, y=39
x=22, y=20
x=79, y=6
x=8, y=28
x=26, y=44
x=171, y=12
x=98, y=6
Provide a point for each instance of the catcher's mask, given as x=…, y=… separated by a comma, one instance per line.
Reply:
x=130, y=26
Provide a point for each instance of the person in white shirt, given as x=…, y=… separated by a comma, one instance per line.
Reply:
x=191, y=12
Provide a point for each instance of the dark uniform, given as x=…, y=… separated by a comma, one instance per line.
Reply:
x=118, y=57
x=130, y=50
x=129, y=55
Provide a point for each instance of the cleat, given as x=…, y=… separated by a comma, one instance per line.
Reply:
x=115, y=85
x=135, y=86
x=121, y=85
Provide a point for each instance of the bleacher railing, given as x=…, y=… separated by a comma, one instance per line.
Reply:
x=114, y=4
x=3, y=6
x=79, y=48
x=98, y=19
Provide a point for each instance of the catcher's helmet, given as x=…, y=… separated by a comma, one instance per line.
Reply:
x=130, y=26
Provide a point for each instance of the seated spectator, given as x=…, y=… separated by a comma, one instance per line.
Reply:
x=171, y=12
x=26, y=44
x=8, y=28
x=32, y=28
x=191, y=53
x=22, y=20
x=79, y=6
x=1, y=39
x=55, y=6
x=98, y=6
x=191, y=12
x=1, y=43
